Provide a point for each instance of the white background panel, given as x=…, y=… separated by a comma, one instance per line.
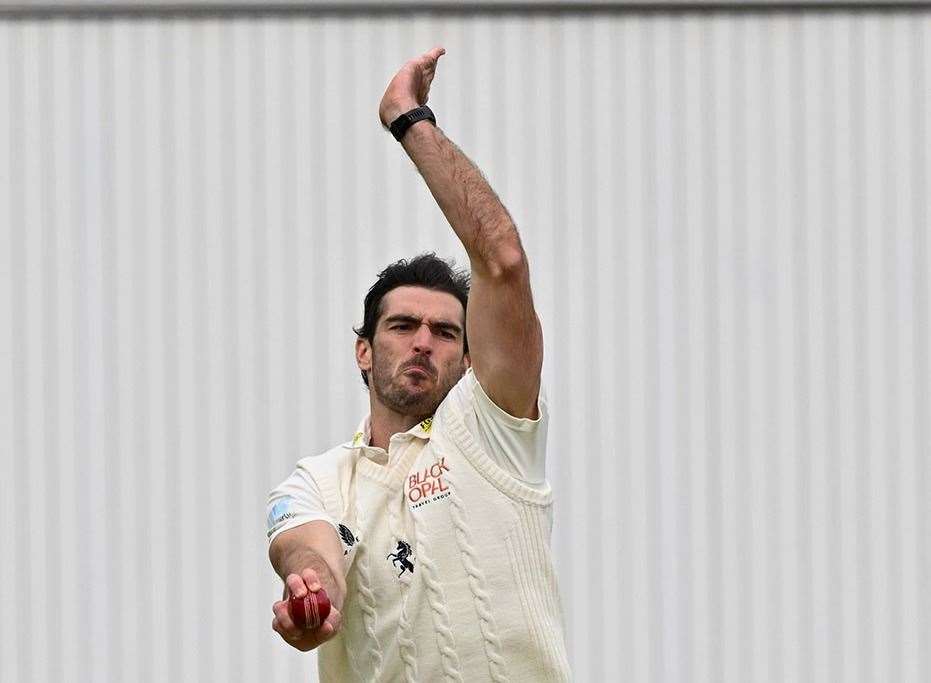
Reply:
x=727, y=221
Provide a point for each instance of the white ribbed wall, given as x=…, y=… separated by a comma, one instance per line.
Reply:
x=727, y=220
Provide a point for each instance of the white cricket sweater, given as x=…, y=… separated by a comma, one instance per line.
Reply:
x=448, y=567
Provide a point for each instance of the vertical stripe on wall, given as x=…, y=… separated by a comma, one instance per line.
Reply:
x=726, y=216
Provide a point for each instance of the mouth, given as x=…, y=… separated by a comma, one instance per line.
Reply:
x=417, y=370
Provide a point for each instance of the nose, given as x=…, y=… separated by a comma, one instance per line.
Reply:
x=423, y=340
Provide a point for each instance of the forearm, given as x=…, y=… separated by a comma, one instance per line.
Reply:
x=471, y=206
x=294, y=559
x=298, y=559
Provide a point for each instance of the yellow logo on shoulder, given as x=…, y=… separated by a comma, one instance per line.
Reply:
x=357, y=439
x=427, y=424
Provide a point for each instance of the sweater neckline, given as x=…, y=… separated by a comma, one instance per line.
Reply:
x=391, y=474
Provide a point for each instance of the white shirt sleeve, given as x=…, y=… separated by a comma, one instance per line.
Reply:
x=297, y=500
x=517, y=445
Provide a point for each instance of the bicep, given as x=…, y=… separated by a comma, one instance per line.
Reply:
x=505, y=337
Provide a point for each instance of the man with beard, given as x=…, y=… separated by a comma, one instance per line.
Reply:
x=429, y=530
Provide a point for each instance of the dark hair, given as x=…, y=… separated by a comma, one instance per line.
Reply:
x=424, y=270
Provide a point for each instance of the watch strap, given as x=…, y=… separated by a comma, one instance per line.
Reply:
x=400, y=125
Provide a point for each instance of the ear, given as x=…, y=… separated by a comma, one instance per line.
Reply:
x=363, y=354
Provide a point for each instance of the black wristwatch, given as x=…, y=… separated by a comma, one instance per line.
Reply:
x=400, y=125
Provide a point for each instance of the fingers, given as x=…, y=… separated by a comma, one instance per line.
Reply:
x=329, y=628
x=295, y=639
x=301, y=639
x=296, y=585
x=428, y=62
x=334, y=621
x=309, y=576
x=434, y=54
x=427, y=68
x=282, y=621
x=410, y=86
x=299, y=584
x=283, y=624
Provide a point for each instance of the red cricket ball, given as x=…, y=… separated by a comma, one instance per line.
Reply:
x=311, y=610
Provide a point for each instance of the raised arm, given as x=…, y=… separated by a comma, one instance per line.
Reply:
x=505, y=337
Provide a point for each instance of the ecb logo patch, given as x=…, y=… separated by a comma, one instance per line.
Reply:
x=279, y=513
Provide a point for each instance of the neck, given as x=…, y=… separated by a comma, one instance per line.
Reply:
x=385, y=423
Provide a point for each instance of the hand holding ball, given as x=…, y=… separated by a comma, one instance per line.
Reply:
x=309, y=611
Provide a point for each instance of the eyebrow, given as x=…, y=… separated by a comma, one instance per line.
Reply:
x=441, y=324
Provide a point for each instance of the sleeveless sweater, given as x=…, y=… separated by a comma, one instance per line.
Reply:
x=447, y=557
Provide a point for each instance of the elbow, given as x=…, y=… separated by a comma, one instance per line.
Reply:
x=507, y=261
x=275, y=556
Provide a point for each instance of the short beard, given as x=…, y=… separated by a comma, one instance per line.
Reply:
x=405, y=402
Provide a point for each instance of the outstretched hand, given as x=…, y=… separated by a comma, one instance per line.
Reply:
x=295, y=636
x=410, y=86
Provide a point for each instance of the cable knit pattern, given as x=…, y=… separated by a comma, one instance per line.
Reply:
x=406, y=645
x=496, y=663
x=444, y=633
x=528, y=552
x=472, y=596
x=368, y=598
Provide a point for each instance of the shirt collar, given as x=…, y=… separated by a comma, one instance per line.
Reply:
x=363, y=435
x=423, y=429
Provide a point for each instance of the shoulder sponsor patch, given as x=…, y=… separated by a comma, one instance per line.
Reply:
x=279, y=513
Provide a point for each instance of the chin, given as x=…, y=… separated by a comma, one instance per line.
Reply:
x=418, y=398
x=409, y=401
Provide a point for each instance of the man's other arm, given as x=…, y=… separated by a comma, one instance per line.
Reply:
x=307, y=558
x=505, y=336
